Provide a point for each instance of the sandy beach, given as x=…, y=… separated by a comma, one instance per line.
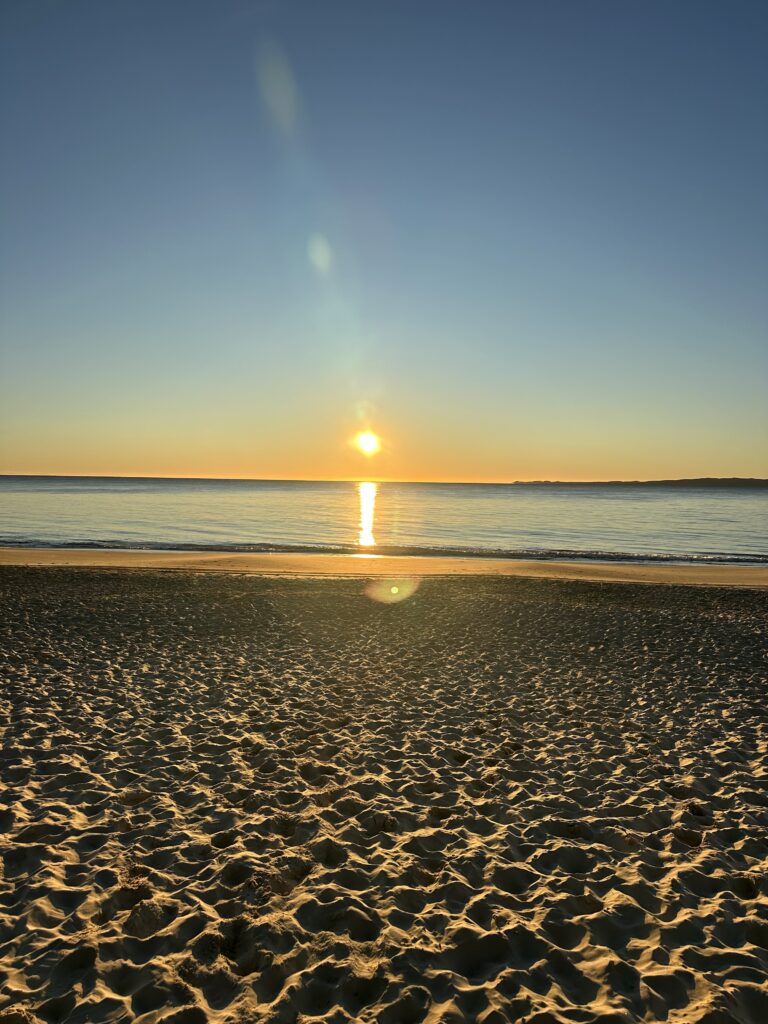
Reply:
x=402, y=566
x=232, y=797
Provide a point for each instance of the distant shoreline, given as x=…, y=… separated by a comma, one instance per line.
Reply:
x=713, y=482
x=704, y=481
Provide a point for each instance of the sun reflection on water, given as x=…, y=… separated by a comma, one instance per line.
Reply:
x=367, y=492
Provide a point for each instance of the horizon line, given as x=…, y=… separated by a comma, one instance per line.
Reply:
x=382, y=480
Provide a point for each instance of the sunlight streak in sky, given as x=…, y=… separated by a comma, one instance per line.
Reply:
x=278, y=88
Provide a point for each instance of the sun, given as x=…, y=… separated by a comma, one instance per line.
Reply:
x=367, y=442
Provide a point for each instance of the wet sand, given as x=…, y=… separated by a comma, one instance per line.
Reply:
x=290, y=564
x=236, y=798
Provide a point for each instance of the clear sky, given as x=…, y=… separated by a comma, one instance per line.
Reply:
x=520, y=240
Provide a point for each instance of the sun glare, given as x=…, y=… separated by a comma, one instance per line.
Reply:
x=367, y=492
x=367, y=442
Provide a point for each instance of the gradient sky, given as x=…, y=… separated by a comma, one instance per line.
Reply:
x=521, y=240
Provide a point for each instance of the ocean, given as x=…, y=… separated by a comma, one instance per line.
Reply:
x=605, y=521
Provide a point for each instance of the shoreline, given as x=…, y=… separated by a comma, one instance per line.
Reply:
x=366, y=565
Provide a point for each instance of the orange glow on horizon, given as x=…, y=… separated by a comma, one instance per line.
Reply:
x=411, y=452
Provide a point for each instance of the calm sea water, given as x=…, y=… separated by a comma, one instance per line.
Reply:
x=546, y=521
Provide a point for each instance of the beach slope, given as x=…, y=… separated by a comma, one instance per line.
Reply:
x=276, y=563
x=236, y=798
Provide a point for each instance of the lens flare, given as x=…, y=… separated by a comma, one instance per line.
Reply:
x=320, y=254
x=392, y=591
x=278, y=88
x=367, y=442
x=367, y=492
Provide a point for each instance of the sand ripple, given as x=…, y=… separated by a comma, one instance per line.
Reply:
x=246, y=799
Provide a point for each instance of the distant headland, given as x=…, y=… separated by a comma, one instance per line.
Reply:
x=701, y=481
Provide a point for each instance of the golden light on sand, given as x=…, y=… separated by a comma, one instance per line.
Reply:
x=367, y=492
x=367, y=442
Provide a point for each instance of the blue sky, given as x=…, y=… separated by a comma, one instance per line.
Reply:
x=520, y=240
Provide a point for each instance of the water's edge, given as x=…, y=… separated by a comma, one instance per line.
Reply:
x=525, y=554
